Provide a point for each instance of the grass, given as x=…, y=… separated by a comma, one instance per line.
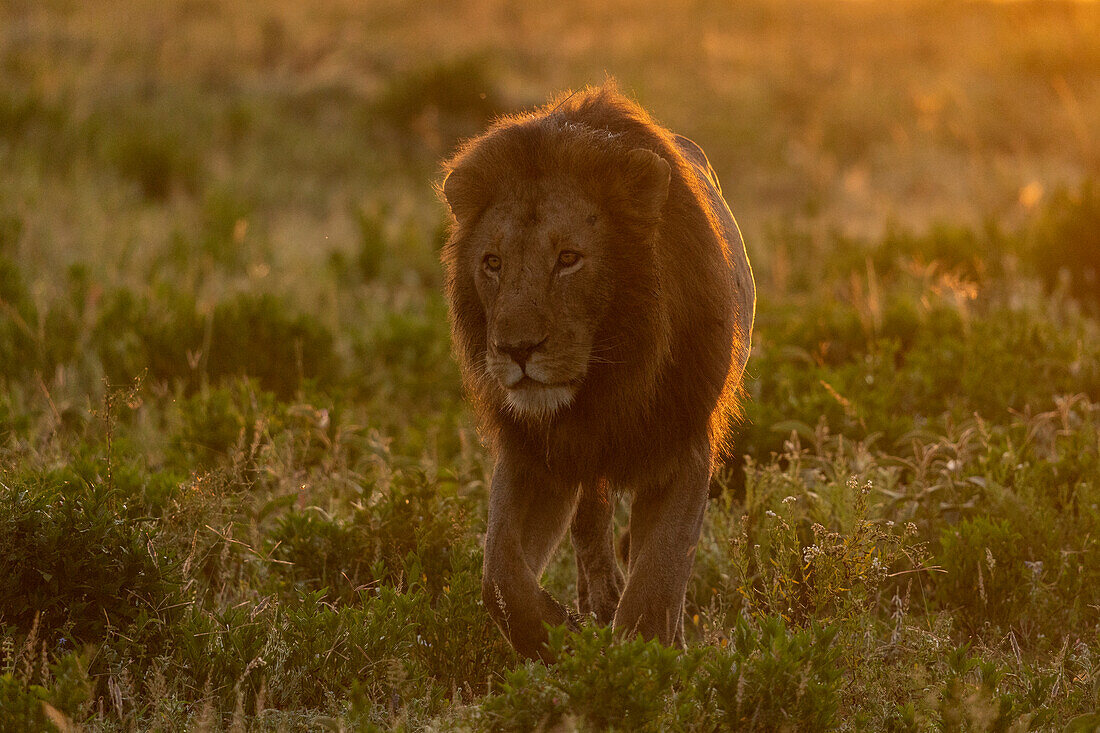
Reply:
x=239, y=487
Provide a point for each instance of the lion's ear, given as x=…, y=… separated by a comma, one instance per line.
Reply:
x=465, y=194
x=647, y=176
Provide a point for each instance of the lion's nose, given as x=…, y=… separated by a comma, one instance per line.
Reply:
x=521, y=351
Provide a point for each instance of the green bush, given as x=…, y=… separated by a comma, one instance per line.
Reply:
x=248, y=336
x=443, y=100
x=158, y=333
x=147, y=151
x=603, y=684
x=72, y=562
x=412, y=520
x=972, y=695
x=323, y=553
x=37, y=696
x=1066, y=242
x=258, y=336
x=407, y=357
x=784, y=561
x=766, y=678
x=986, y=579
x=372, y=243
x=819, y=363
x=383, y=643
x=22, y=706
x=224, y=236
x=772, y=678
x=221, y=423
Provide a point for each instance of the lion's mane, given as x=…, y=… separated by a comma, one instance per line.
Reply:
x=674, y=338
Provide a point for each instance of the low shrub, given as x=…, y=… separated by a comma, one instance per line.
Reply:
x=222, y=423
x=22, y=706
x=761, y=678
x=247, y=336
x=442, y=101
x=161, y=333
x=785, y=562
x=149, y=152
x=258, y=336
x=1065, y=242
x=70, y=563
x=407, y=357
x=986, y=579
x=411, y=520
x=225, y=234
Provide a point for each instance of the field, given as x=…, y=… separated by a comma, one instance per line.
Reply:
x=240, y=488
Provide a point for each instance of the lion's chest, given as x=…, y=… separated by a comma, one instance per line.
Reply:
x=625, y=452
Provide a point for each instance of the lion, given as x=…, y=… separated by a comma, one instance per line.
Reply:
x=601, y=304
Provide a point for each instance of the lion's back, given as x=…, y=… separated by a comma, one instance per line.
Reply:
x=744, y=294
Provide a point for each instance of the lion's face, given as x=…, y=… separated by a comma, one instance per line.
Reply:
x=536, y=258
x=549, y=264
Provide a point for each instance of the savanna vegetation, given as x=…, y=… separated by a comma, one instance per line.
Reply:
x=239, y=488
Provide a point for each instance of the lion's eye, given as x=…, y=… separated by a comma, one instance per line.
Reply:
x=568, y=258
x=491, y=263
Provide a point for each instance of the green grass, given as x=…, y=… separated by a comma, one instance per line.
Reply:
x=240, y=488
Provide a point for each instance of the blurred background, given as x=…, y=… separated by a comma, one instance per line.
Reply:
x=850, y=115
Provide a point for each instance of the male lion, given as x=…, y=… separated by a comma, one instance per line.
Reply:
x=601, y=304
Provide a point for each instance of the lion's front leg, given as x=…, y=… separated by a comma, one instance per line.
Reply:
x=599, y=580
x=665, y=521
x=528, y=514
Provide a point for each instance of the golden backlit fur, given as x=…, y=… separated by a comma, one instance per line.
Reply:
x=601, y=306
